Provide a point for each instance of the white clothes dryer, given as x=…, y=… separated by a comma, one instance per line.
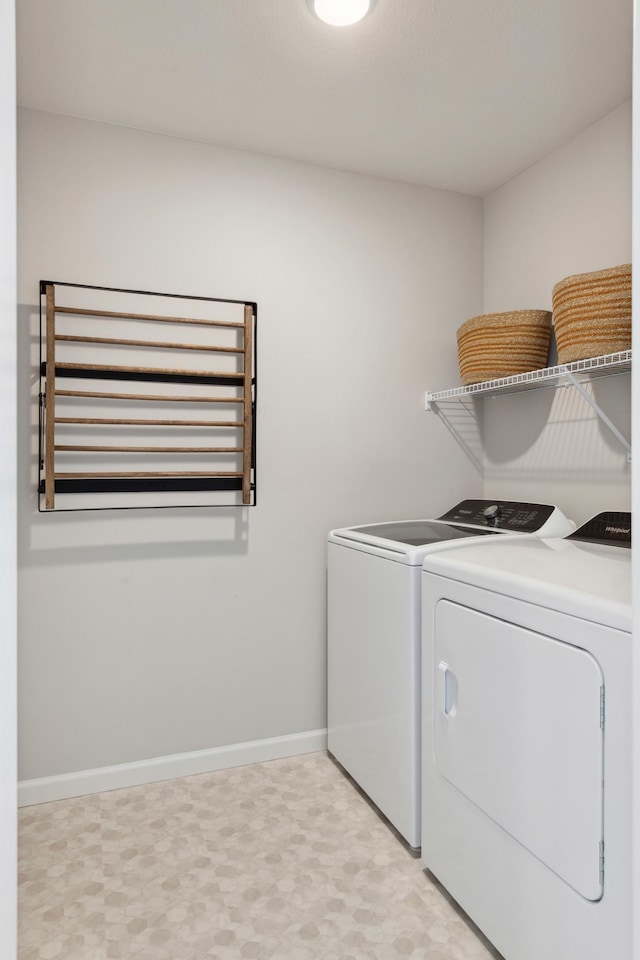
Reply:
x=526, y=739
x=374, y=640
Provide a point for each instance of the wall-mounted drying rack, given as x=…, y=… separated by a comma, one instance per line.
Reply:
x=161, y=441
x=565, y=374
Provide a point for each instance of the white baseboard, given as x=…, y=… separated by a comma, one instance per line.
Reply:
x=85, y=782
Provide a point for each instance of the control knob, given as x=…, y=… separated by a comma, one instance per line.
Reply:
x=492, y=513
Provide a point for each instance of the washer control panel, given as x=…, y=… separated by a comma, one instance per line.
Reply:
x=518, y=516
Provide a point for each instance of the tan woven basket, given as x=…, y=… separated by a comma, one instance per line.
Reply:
x=592, y=313
x=502, y=344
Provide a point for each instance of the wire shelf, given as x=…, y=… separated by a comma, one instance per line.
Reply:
x=564, y=373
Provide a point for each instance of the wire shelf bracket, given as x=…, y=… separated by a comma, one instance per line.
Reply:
x=600, y=413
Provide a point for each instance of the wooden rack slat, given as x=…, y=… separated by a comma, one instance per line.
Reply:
x=144, y=473
x=246, y=459
x=90, y=448
x=153, y=423
x=92, y=394
x=163, y=344
x=80, y=312
x=50, y=399
x=163, y=371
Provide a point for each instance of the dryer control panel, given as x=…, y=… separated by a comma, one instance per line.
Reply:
x=611, y=527
x=517, y=516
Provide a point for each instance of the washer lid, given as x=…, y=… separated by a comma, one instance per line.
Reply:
x=407, y=541
x=415, y=533
x=591, y=581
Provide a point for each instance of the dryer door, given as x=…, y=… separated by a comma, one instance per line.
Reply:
x=518, y=732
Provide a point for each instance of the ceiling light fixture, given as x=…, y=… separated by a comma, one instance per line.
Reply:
x=340, y=13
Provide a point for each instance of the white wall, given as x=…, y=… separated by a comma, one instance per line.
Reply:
x=569, y=213
x=7, y=482
x=157, y=633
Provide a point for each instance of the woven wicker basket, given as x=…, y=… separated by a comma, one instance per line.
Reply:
x=592, y=313
x=502, y=344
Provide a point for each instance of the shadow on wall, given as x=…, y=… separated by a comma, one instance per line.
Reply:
x=106, y=535
x=549, y=445
x=556, y=433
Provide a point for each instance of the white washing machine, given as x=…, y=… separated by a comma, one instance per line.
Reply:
x=526, y=739
x=374, y=640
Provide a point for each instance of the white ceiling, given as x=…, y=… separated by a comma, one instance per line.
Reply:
x=459, y=94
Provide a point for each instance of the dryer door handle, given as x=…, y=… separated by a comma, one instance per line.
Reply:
x=447, y=690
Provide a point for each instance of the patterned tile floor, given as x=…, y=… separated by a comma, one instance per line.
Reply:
x=280, y=860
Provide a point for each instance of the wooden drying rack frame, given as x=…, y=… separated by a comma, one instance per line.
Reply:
x=51, y=482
